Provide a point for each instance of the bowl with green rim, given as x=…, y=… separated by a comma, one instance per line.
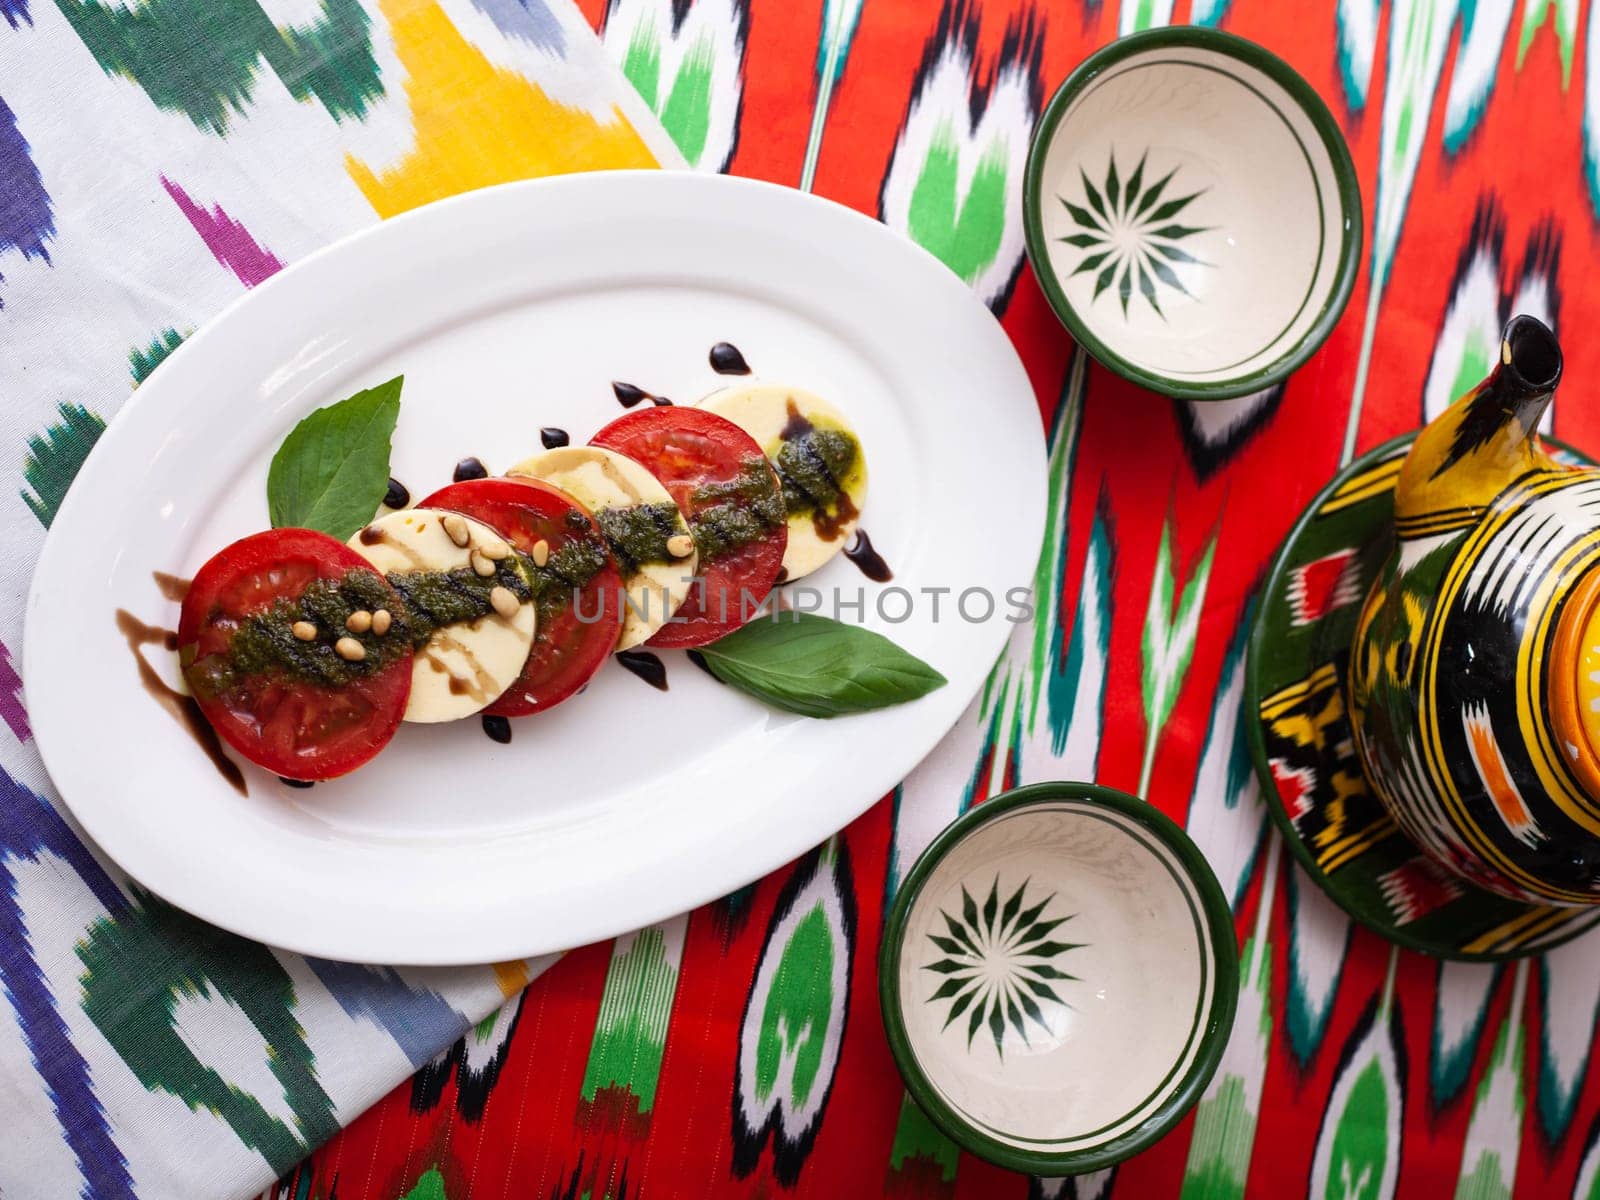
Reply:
x=1058, y=978
x=1192, y=213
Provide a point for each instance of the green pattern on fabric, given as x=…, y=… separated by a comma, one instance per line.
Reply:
x=1227, y=1121
x=144, y=359
x=1169, y=640
x=963, y=232
x=630, y=1033
x=1226, y=1118
x=1498, y=1110
x=1534, y=16
x=56, y=456
x=429, y=1186
x=138, y=966
x=200, y=57
x=1049, y=574
x=642, y=62
x=1473, y=368
x=794, y=1023
x=916, y=1138
x=685, y=109
x=1486, y=1182
x=1360, y=1144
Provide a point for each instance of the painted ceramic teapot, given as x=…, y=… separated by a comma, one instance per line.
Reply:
x=1474, y=684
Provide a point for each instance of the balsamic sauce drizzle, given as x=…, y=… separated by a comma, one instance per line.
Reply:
x=296, y=783
x=553, y=437
x=498, y=729
x=861, y=552
x=398, y=495
x=628, y=395
x=173, y=587
x=469, y=468
x=726, y=359
x=183, y=708
x=646, y=666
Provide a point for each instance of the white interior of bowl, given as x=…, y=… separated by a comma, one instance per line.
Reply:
x=1217, y=288
x=1122, y=986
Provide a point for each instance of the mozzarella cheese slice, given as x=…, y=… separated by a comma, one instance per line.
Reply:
x=766, y=412
x=602, y=479
x=465, y=666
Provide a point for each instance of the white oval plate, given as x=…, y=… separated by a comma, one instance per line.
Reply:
x=507, y=310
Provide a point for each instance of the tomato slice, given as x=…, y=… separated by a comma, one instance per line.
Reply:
x=279, y=719
x=578, y=622
x=734, y=504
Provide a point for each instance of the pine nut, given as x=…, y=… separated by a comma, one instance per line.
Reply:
x=456, y=528
x=380, y=621
x=541, y=552
x=494, y=548
x=504, y=601
x=481, y=565
x=680, y=545
x=305, y=631
x=349, y=649
x=359, y=621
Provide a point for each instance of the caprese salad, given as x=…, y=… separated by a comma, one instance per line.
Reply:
x=307, y=647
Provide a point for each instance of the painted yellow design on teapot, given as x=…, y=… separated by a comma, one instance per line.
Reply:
x=1475, y=671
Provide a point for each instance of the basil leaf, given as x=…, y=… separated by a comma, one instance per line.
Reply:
x=818, y=667
x=332, y=471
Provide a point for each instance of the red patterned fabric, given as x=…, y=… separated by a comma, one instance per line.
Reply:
x=1501, y=214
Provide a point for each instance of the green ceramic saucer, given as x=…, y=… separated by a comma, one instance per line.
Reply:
x=1058, y=978
x=1306, y=759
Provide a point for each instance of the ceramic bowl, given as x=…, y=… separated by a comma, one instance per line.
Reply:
x=1058, y=978
x=1192, y=212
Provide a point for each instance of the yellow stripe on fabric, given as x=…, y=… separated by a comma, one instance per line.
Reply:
x=477, y=124
x=511, y=976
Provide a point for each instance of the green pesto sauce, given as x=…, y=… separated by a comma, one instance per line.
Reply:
x=434, y=599
x=566, y=572
x=813, y=467
x=264, y=642
x=638, y=535
x=729, y=516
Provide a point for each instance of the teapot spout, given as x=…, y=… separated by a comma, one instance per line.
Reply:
x=1474, y=449
x=1530, y=367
